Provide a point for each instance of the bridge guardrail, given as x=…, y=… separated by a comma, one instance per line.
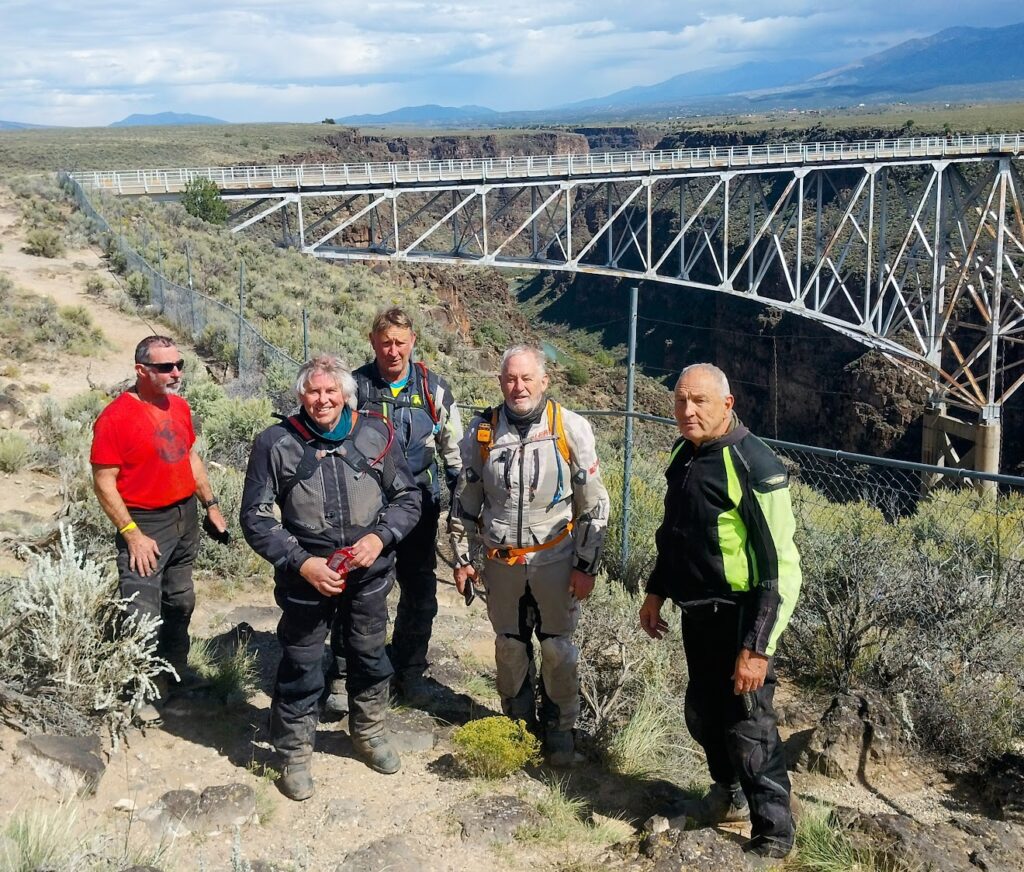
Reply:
x=298, y=176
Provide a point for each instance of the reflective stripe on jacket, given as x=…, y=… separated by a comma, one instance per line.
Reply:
x=728, y=533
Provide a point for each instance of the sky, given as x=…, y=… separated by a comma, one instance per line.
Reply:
x=92, y=62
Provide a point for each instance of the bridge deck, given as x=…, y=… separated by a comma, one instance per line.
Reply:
x=281, y=178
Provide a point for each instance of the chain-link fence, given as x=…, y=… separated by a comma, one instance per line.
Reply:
x=216, y=330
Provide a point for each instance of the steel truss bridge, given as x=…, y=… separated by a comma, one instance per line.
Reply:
x=912, y=247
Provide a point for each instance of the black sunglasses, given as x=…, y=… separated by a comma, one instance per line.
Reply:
x=166, y=367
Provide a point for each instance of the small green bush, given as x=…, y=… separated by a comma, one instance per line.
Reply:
x=138, y=288
x=44, y=243
x=201, y=198
x=495, y=747
x=577, y=374
x=15, y=451
x=233, y=675
x=95, y=286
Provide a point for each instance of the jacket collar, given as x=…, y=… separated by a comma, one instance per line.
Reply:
x=737, y=431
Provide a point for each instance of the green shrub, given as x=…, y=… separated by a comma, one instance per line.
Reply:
x=495, y=747
x=235, y=562
x=233, y=676
x=15, y=451
x=823, y=846
x=44, y=243
x=230, y=427
x=95, y=286
x=567, y=820
x=138, y=288
x=577, y=374
x=201, y=198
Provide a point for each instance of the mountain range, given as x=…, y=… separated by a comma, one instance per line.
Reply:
x=959, y=63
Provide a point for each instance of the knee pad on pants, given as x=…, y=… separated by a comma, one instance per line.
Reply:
x=512, y=658
x=559, y=669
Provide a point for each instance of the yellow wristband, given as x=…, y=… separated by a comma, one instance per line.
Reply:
x=131, y=525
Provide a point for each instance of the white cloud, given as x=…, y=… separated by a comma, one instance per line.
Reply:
x=72, y=62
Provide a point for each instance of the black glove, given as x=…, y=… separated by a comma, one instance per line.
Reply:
x=222, y=537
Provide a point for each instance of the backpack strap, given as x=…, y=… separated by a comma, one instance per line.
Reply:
x=556, y=426
x=312, y=457
x=428, y=398
x=485, y=432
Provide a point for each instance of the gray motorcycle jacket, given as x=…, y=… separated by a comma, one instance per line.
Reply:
x=328, y=494
x=525, y=492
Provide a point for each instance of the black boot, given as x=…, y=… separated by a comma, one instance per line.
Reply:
x=723, y=803
x=294, y=744
x=368, y=731
x=336, y=701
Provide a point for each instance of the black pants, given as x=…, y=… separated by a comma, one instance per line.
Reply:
x=361, y=614
x=740, y=748
x=415, y=565
x=167, y=593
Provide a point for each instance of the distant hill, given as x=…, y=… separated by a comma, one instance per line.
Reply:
x=17, y=125
x=429, y=114
x=165, y=119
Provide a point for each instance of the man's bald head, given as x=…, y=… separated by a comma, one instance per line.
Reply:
x=703, y=404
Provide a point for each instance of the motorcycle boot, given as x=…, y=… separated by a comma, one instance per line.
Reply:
x=368, y=730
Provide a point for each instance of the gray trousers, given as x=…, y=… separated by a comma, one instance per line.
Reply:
x=168, y=592
x=523, y=601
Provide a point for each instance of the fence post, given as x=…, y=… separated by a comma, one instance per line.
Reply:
x=241, y=310
x=191, y=291
x=160, y=270
x=627, y=460
x=305, y=334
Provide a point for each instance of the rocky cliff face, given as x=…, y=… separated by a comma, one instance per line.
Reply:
x=349, y=145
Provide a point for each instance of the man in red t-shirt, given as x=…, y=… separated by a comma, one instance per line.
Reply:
x=147, y=475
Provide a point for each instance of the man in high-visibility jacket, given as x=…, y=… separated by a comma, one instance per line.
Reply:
x=726, y=557
x=531, y=486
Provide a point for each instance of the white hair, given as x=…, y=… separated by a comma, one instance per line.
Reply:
x=532, y=350
x=332, y=366
x=716, y=374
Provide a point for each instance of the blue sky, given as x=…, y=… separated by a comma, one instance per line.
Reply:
x=95, y=61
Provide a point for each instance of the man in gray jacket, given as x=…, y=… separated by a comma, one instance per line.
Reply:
x=343, y=490
x=531, y=487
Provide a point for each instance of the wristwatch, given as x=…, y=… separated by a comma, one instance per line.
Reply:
x=207, y=503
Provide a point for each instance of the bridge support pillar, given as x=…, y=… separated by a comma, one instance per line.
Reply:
x=948, y=441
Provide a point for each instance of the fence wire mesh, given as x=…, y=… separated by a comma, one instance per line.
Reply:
x=216, y=330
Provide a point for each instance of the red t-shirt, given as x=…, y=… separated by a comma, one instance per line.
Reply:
x=151, y=448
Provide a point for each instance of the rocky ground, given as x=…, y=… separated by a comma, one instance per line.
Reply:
x=196, y=792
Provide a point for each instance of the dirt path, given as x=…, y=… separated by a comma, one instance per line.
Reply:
x=63, y=279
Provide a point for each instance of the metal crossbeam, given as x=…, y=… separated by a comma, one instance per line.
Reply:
x=913, y=247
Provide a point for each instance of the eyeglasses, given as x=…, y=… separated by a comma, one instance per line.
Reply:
x=166, y=367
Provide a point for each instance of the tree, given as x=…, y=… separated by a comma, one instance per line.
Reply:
x=328, y=121
x=201, y=198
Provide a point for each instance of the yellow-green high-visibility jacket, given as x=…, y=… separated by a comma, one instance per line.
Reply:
x=728, y=534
